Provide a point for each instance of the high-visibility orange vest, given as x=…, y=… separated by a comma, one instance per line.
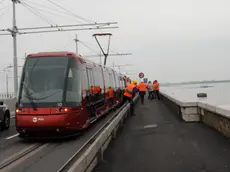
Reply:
x=111, y=95
x=156, y=86
x=135, y=85
x=142, y=87
x=91, y=90
x=129, y=90
x=97, y=90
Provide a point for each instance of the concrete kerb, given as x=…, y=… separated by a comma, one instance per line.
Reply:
x=95, y=152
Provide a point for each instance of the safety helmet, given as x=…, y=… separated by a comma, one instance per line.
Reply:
x=134, y=81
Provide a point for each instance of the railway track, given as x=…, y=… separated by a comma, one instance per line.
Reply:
x=20, y=156
x=22, y=160
x=16, y=159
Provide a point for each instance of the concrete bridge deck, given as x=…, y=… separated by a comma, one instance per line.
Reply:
x=156, y=140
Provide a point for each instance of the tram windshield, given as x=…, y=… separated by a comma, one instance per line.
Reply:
x=50, y=81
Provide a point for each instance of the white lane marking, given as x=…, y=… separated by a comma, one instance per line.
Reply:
x=150, y=126
x=10, y=137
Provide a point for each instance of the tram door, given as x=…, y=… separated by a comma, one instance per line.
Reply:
x=91, y=95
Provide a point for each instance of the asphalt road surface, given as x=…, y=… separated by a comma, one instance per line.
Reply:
x=155, y=140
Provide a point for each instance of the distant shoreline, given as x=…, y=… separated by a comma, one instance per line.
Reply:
x=195, y=82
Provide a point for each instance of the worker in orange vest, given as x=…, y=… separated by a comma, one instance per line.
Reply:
x=129, y=94
x=157, y=89
x=142, y=87
x=111, y=96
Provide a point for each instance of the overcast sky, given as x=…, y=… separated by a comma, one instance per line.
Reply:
x=170, y=40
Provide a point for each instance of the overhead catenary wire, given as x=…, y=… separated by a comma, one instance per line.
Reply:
x=89, y=21
x=72, y=14
x=95, y=46
x=14, y=31
x=71, y=41
x=100, y=55
x=62, y=26
x=116, y=54
x=37, y=4
x=92, y=50
x=34, y=11
x=43, y=17
x=60, y=30
x=37, y=13
x=87, y=46
x=52, y=11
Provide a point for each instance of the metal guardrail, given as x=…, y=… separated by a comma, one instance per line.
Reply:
x=6, y=96
x=86, y=158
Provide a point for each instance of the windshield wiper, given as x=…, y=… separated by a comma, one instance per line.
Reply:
x=29, y=97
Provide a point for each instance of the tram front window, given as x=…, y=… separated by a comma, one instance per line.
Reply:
x=44, y=80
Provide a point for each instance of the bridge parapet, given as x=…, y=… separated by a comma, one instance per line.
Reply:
x=217, y=117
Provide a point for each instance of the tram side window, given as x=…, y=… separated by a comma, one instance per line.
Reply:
x=111, y=80
x=122, y=82
x=98, y=78
x=73, y=90
x=86, y=84
x=117, y=80
x=106, y=75
x=90, y=79
x=102, y=79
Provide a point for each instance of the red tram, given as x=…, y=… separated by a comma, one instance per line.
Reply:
x=60, y=93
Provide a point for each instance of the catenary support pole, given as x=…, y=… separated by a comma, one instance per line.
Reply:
x=7, y=89
x=15, y=61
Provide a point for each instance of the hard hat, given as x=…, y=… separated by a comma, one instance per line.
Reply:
x=135, y=81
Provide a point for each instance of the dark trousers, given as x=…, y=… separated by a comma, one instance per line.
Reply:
x=110, y=101
x=157, y=94
x=142, y=96
x=131, y=104
x=151, y=95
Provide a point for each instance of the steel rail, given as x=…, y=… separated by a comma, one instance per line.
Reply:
x=18, y=156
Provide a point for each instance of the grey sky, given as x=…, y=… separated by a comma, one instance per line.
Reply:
x=171, y=40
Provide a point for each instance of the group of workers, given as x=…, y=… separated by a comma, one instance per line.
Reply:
x=153, y=90
x=141, y=88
